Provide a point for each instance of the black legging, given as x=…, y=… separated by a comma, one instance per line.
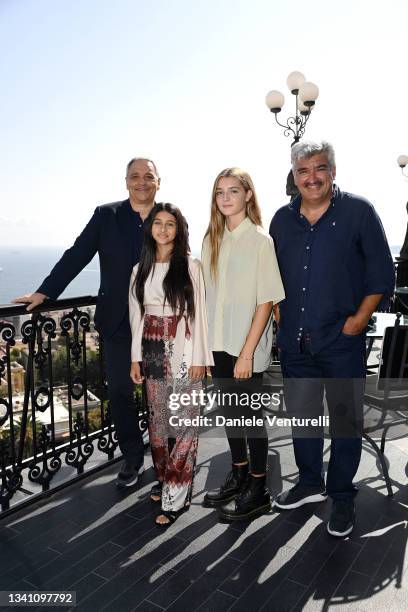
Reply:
x=256, y=436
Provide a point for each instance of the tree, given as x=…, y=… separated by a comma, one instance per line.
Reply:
x=29, y=438
x=94, y=419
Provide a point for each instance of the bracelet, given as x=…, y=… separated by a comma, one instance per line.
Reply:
x=245, y=358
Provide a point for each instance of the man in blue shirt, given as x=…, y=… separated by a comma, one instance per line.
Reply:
x=336, y=268
x=115, y=232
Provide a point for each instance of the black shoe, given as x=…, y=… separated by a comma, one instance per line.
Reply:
x=253, y=501
x=299, y=495
x=128, y=475
x=234, y=482
x=342, y=517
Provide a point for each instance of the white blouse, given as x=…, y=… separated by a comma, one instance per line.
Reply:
x=196, y=350
x=248, y=275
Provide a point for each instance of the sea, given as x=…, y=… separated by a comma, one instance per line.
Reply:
x=22, y=270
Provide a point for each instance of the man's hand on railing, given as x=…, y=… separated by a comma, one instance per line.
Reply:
x=32, y=299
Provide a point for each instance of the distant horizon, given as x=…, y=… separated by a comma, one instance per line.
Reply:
x=393, y=247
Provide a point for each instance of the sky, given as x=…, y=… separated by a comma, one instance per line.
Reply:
x=88, y=84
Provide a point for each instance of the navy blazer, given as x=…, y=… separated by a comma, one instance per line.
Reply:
x=107, y=234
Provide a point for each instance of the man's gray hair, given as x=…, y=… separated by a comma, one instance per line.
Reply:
x=308, y=148
x=146, y=159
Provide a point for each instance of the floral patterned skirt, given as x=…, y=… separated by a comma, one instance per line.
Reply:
x=173, y=444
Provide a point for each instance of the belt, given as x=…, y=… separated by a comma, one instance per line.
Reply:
x=182, y=333
x=159, y=310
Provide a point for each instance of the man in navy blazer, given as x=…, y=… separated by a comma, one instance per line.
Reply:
x=115, y=232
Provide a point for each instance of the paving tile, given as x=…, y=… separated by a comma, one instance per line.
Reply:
x=284, y=597
x=301, y=515
x=370, y=557
x=106, y=593
x=125, y=577
x=66, y=506
x=142, y=509
x=301, y=536
x=131, y=530
x=29, y=566
x=6, y=534
x=339, y=562
x=72, y=552
x=39, y=514
x=307, y=568
x=86, y=586
x=324, y=544
x=312, y=600
x=325, y=583
x=22, y=586
x=140, y=590
x=103, y=543
x=96, y=535
x=386, y=583
x=202, y=556
x=18, y=548
x=351, y=589
x=203, y=587
x=252, y=535
x=75, y=572
x=147, y=606
x=142, y=554
x=196, y=521
x=255, y=580
x=217, y=602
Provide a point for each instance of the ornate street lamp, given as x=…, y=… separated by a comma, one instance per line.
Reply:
x=306, y=94
x=402, y=161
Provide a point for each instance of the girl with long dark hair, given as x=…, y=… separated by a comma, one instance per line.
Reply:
x=242, y=282
x=169, y=336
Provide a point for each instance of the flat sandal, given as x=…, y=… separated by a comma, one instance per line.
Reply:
x=171, y=515
x=156, y=490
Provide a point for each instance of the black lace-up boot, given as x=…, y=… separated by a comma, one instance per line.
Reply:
x=251, y=502
x=234, y=483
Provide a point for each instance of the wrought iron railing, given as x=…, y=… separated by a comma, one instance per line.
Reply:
x=54, y=412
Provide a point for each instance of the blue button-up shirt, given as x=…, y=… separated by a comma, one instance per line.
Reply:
x=329, y=267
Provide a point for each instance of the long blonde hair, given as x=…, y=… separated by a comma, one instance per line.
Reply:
x=216, y=226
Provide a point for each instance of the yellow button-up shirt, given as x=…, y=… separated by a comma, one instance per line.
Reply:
x=248, y=275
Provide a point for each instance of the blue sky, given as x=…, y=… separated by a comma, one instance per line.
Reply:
x=88, y=84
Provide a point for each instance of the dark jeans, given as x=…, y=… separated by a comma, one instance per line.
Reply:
x=256, y=436
x=121, y=395
x=339, y=370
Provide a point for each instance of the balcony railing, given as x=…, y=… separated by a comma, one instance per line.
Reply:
x=55, y=420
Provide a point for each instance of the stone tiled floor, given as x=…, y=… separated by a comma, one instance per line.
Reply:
x=103, y=544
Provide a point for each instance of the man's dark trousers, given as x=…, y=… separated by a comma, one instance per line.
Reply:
x=340, y=369
x=121, y=394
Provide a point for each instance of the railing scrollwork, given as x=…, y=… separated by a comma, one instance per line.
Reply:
x=53, y=397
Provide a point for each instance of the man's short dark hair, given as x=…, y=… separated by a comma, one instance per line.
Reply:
x=147, y=159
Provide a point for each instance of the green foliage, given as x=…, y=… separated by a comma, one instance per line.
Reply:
x=60, y=369
x=29, y=437
x=94, y=419
x=17, y=355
